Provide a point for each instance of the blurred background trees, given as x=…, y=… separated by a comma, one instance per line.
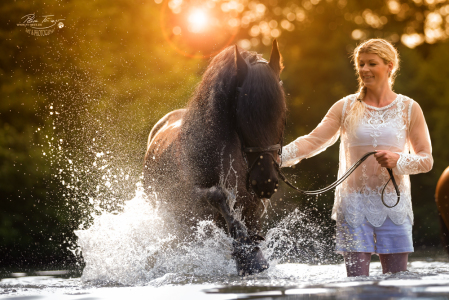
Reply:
x=77, y=105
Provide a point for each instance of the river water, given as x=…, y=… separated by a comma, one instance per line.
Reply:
x=423, y=280
x=137, y=254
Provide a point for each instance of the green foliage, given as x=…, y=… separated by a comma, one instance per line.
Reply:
x=104, y=76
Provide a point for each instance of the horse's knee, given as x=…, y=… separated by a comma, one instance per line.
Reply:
x=216, y=197
x=238, y=232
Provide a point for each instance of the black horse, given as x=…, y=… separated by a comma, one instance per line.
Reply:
x=217, y=157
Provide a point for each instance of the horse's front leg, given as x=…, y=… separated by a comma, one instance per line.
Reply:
x=247, y=254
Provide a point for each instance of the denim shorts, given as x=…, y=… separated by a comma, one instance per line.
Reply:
x=386, y=239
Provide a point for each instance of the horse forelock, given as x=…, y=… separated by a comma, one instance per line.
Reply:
x=261, y=107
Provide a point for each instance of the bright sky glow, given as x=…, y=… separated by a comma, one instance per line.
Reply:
x=198, y=20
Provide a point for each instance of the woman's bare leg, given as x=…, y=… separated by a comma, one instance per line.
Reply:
x=393, y=263
x=357, y=263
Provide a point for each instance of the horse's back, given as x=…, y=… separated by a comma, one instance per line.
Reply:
x=164, y=133
x=442, y=196
x=442, y=201
x=163, y=136
x=170, y=122
x=162, y=150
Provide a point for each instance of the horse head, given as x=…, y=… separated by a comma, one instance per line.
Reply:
x=260, y=117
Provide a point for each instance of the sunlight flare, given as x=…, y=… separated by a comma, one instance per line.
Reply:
x=198, y=20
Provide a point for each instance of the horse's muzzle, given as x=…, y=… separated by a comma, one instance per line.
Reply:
x=263, y=175
x=265, y=188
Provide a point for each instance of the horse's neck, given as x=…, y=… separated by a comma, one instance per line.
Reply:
x=210, y=121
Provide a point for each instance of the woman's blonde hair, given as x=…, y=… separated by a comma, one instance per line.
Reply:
x=388, y=53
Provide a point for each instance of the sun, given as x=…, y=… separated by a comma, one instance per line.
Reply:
x=198, y=20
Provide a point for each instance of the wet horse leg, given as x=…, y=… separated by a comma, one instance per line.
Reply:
x=216, y=197
x=248, y=256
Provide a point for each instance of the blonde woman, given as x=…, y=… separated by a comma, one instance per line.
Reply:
x=393, y=125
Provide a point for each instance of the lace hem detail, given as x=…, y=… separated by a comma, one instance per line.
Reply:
x=289, y=156
x=409, y=164
x=355, y=207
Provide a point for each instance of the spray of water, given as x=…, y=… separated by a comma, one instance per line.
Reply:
x=140, y=245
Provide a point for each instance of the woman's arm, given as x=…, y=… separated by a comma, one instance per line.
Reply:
x=323, y=136
x=420, y=159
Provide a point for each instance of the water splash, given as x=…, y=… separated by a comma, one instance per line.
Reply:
x=140, y=245
x=299, y=238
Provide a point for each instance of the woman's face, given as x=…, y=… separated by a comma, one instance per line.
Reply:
x=373, y=71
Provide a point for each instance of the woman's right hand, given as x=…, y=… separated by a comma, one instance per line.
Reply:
x=387, y=159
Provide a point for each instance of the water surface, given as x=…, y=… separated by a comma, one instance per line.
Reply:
x=138, y=253
x=423, y=280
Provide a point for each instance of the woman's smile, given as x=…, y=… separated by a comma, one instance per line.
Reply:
x=373, y=70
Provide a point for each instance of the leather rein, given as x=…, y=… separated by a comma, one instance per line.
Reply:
x=340, y=180
x=282, y=176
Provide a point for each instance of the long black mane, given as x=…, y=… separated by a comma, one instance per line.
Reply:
x=214, y=115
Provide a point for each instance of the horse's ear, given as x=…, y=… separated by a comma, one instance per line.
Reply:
x=276, y=59
x=241, y=67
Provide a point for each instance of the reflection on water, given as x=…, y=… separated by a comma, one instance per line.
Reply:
x=424, y=280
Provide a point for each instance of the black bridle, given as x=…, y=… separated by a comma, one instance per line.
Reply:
x=262, y=151
x=278, y=147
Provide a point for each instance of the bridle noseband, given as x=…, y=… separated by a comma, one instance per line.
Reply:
x=262, y=151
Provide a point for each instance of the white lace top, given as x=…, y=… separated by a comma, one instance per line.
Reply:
x=399, y=127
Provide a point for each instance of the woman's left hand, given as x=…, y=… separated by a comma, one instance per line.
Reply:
x=387, y=159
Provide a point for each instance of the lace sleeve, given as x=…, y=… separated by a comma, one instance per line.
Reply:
x=323, y=136
x=420, y=159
